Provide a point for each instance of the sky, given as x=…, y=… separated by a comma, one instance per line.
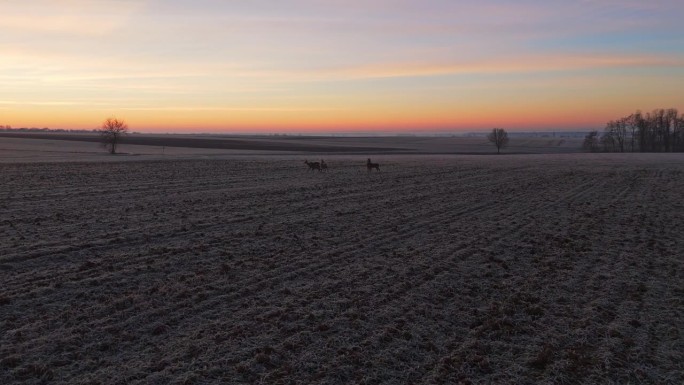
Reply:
x=338, y=66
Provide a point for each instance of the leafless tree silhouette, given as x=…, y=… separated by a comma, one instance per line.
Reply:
x=591, y=142
x=661, y=130
x=499, y=137
x=111, y=131
x=619, y=130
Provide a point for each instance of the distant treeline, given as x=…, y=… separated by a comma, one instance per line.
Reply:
x=530, y=134
x=45, y=129
x=658, y=131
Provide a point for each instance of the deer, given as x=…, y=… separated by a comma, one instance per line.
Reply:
x=313, y=165
x=324, y=166
x=370, y=166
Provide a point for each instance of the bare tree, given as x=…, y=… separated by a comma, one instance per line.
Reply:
x=657, y=131
x=678, y=144
x=591, y=142
x=608, y=141
x=616, y=134
x=670, y=129
x=633, y=122
x=111, y=132
x=499, y=137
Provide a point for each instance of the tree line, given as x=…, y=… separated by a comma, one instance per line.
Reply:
x=661, y=130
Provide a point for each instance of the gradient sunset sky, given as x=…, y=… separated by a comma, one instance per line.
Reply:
x=337, y=66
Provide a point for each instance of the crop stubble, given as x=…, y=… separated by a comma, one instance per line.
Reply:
x=436, y=269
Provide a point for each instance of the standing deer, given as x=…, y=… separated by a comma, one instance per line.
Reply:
x=324, y=166
x=313, y=165
x=370, y=166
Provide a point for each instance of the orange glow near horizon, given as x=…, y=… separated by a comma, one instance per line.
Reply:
x=335, y=121
x=408, y=114
x=300, y=67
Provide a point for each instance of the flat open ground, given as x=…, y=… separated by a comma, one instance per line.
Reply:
x=438, y=269
x=61, y=147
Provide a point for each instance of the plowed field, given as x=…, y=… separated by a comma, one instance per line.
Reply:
x=482, y=269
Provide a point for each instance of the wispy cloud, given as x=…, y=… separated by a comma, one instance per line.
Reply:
x=263, y=58
x=233, y=109
x=93, y=18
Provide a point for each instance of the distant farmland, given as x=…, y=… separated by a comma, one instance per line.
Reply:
x=327, y=144
x=203, y=142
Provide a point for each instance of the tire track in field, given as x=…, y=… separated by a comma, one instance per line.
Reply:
x=316, y=288
x=114, y=235
x=386, y=240
x=384, y=301
x=508, y=233
x=579, y=193
x=82, y=248
x=162, y=230
x=307, y=267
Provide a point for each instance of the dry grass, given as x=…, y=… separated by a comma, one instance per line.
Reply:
x=528, y=269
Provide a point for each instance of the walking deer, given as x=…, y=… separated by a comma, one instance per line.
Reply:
x=370, y=166
x=313, y=165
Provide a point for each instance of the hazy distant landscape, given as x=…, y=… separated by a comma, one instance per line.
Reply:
x=199, y=267
x=36, y=147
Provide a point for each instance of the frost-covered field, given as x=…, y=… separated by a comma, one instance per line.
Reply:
x=481, y=269
x=37, y=148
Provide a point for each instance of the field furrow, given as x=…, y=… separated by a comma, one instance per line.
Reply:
x=518, y=269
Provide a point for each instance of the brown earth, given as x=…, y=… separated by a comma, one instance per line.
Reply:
x=501, y=269
x=225, y=143
x=146, y=144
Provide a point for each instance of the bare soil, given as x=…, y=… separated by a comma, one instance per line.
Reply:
x=51, y=146
x=209, y=142
x=471, y=269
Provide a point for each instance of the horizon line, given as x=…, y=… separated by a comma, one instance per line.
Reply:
x=378, y=133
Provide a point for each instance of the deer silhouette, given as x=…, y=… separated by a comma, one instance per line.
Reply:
x=313, y=165
x=370, y=166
